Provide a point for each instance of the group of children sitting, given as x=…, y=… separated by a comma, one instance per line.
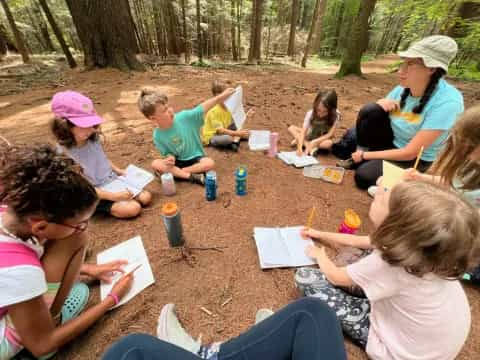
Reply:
x=426, y=236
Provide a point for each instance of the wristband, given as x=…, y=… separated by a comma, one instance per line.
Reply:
x=361, y=156
x=114, y=297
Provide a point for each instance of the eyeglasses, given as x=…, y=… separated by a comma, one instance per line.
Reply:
x=79, y=228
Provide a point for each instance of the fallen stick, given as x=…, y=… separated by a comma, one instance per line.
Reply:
x=226, y=302
x=206, y=311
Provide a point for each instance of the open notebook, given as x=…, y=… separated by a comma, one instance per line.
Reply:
x=281, y=247
x=259, y=140
x=234, y=104
x=133, y=251
x=134, y=181
x=291, y=158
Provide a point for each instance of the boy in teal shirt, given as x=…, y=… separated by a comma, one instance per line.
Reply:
x=177, y=135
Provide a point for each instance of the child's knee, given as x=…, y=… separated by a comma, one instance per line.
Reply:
x=159, y=165
x=208, y=163
x=144, y=198
x=126, y=209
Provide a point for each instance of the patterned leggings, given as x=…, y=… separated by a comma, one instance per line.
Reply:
x=352, y=311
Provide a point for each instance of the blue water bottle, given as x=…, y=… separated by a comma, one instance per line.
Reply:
x=241, y=181
x=211, y=185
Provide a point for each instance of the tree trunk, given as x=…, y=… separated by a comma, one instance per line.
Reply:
x=239, y=27
x=173, y=27
x=357, y=41
x=36, y=13
x=293, y=28
x=255, y=52
x=58, y=33
x=199, y=34
x=107, y=33
x=186, y=42
x=3, y=41
x=233, y=32
x=159, y=21
x=19, y=41
x=320, y=6
x=305, y=13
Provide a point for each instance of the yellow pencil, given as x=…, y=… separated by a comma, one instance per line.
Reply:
x=418, y=158
x=134, y=269
x=310, y=218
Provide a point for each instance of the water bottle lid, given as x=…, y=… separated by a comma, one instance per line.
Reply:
x=352, y=220
x=241, y=172
x=169, y=209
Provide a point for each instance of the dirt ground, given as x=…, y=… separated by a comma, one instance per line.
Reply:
x=278, y=195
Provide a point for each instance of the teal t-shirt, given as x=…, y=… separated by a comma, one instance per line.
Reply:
x=440, y=113
x=182, y=140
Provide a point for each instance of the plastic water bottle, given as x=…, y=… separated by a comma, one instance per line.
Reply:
x=241, y=181
x=272, y=151
x=168, y=184
x=350, y=225
x=211, y=185
x=173, y=224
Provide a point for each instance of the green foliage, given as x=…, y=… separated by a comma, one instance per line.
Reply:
x=470, y=71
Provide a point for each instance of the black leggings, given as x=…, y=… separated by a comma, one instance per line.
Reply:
x=373, y=131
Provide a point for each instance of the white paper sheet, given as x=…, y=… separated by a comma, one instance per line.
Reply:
x=281, y=247
x=234, y=104
x=133, y=251
x=291, y=157
x=259, y=140
x=135, y=180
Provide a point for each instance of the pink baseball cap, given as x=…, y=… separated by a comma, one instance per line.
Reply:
x=76, y=108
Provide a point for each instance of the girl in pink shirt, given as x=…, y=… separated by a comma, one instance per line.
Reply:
x=425, y=238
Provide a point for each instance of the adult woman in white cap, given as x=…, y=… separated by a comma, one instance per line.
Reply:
x=417, y=113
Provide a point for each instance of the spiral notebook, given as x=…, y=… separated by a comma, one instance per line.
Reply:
x=134, y=180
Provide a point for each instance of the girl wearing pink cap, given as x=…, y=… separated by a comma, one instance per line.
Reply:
x=76, y=128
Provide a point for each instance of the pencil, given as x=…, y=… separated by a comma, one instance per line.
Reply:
x=418, y=158
x=133, y=270
x=310, y=218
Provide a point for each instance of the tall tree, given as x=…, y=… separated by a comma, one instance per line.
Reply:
x=58, y=33
x=255, y=51
x=357, y=41
x=3, y=41
x=293, y=27
x=107, y=33
x=186, y=42
x=233, y=31
x=160, y=29
x=199, y=33
x=20, y=42
x=318, y=12
x=39, y=21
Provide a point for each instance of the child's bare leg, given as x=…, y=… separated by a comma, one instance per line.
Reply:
x=61, y=264
x=126, y=209
x=325, y=145
x=203, y=165
x=295, y=131
x=177, y=172
x=144, y=198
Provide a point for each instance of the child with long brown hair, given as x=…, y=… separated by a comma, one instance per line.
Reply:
x=458, y=165
x=319, y=124
x=425, y=238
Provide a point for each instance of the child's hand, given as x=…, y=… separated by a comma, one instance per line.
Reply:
x=169, y=160
x=250, y=113
x=244, y=133
x=411, y=174
x=123, y=285
x=315, y=252
x=307, y=233
x=227, y=93
x=389, y=105
x=104, y=272
x=122, y=196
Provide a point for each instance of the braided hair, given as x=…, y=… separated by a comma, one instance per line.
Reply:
x=432, y=84
x=36, y=180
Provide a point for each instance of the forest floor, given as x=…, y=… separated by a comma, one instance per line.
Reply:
x=278, y=195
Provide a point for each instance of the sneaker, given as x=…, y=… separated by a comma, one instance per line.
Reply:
x=197, y=179
x=348, y=164
x=234, y=146
x=170, y=330
x=262, y=314
x=372, y=190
